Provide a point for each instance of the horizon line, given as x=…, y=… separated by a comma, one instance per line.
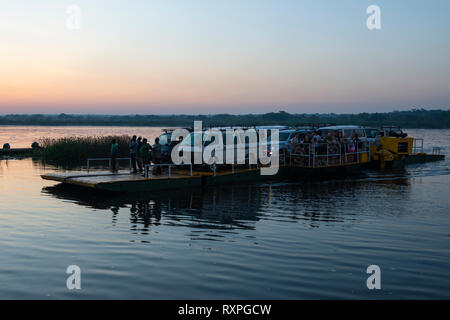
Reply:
x=213, y=114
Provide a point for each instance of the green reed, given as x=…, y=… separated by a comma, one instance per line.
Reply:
x=72, y=151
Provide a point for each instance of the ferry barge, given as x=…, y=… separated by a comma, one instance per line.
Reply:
x=296, y=167
x=392, y=150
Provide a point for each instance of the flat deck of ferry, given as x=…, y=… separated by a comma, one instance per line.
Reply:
x=92, y=178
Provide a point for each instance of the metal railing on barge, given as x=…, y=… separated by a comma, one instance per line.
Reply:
x=169, y=168
x=147, y=167
x=88, y=164
x=305, y=155
x=324, y=155
x=417, y=145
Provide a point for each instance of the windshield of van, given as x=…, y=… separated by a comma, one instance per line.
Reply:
x=189, y=140
x=371, y=133
x=359, y=132
x=283, y=136
x=163, y=139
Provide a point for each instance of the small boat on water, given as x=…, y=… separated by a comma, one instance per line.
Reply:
x=16, y=152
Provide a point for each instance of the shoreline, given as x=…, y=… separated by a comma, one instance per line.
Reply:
x=414, y=118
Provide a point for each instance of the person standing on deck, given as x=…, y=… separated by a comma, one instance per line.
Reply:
x=144, y=153
x=138, y=156
x=133, y=153
x=114, y=153
x=156, y=155
x=307, y=141
x=351, y=147
x=293, y=144
x=316, y=141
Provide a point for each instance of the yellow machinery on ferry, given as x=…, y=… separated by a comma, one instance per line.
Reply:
x=393, y=146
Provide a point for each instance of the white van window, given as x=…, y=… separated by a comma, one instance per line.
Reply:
x=359, y=132
x=163, y=139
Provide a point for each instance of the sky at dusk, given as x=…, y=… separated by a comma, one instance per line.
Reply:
x=223, y=56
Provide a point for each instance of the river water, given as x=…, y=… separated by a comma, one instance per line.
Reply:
x=274, y=240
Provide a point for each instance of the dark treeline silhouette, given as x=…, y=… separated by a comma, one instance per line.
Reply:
x=416, y=118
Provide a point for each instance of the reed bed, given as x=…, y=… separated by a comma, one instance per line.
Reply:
x=74, y=151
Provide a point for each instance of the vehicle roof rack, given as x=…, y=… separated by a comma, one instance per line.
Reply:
x=170, y=130
x=314, y=125
x=244, y=127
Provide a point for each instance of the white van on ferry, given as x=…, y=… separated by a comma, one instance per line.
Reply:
x=364, y=133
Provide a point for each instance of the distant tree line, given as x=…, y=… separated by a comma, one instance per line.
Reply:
x=416, y=118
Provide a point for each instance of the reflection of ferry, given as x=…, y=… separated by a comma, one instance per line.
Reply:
x=232, y=207
x=387, y=147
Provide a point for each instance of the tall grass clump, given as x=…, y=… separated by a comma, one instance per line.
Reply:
x=74, y=151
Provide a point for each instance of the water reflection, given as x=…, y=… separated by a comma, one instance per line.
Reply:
x=212, y=208
x=241, y=207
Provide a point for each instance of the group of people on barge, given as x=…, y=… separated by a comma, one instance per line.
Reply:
x=330, y=149
x=141, y=154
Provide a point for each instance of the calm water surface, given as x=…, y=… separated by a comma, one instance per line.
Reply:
x=280, y=240
x=24, y=136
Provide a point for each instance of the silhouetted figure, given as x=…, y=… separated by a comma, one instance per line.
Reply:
x=114, y=153
x=138, y=155
x=145, y=152
x=6, y=146
x=133, y=153
x=156, y=156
